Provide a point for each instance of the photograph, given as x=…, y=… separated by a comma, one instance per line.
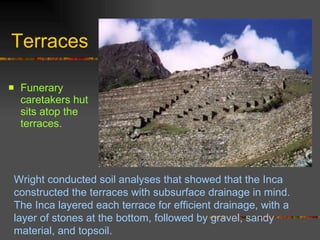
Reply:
x=197, y=92
x=159, y=120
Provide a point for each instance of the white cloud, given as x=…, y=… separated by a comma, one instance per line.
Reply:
x=253, y=48
x=227, y=37
x=149, y=31
x=117, y=31
x=189, y=22
x=190, y=55
x=184, y=37
x=304, y=57
x=186, y=52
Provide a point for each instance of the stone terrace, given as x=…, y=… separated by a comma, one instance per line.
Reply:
x=200, y=100
x=191, y=96
x=136, y=105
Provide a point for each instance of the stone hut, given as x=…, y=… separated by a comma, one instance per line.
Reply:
x=230, y=56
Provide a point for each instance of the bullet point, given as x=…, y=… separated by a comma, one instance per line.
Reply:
x=11, y=87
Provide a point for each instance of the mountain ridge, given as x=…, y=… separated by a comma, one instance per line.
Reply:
x=127, y=64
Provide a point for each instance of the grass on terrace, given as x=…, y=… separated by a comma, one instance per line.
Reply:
x=164, y=128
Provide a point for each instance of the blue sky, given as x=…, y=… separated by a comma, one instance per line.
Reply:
x=184, y=44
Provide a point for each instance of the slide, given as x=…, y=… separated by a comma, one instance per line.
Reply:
x=158, y=120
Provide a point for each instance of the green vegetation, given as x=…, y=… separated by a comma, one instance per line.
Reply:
x=241, y=110
x=274, y=103
x=164, y=128
x=118, y=80
x=287, y=152
x=293, y=89
x=298, y=145
x=125, y=80
x=296, y=88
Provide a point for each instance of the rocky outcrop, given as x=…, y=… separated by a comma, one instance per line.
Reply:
x=127, y=64
x=305, y=161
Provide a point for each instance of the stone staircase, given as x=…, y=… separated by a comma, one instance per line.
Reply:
x=134, y=106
